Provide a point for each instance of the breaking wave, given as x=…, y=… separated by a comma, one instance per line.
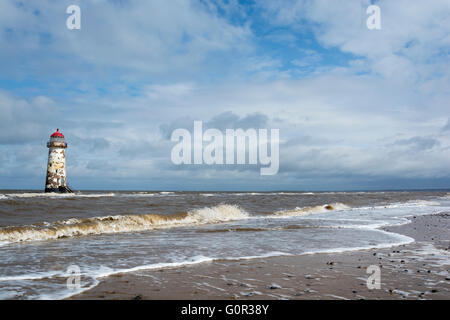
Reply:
x=304, y=211
x=120, y=223
x=134, y=223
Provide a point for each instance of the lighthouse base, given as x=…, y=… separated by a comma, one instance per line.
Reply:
x=61, y=189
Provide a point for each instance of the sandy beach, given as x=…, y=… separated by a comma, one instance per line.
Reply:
x=419, y=270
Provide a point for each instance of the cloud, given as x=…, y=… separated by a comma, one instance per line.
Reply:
x=418, y=143
x=411, y=43
x=25, y=120
x=151, y=37
x=447, y=126
x=353, y=106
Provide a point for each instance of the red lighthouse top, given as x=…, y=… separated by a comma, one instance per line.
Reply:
x=57, y=134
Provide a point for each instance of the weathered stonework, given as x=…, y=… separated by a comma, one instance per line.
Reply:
x=56, y=167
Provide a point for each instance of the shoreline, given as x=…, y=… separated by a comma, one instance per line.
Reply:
x=418, y=270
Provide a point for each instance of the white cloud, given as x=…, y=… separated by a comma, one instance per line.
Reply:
x=385, y=114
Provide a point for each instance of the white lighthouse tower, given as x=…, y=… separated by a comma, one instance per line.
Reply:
x=56, y=167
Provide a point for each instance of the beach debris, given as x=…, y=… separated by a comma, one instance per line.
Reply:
x=274, y=286
x=138, y=297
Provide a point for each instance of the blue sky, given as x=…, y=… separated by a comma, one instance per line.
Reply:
x=356, y=108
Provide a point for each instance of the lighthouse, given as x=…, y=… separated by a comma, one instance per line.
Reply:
x=56, y=167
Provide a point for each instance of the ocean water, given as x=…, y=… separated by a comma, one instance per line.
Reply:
x=104, y=233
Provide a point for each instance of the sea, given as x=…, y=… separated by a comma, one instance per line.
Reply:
x=48, y=239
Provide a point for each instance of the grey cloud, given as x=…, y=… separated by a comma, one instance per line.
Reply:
x=419, y=143
x=23, y=121
x=184, y=122
x=447, y=126
x=225, y=120
x=230, y=120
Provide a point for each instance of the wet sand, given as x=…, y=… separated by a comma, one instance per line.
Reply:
x=420, y=270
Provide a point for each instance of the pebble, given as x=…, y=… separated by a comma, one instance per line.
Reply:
x=274, y=286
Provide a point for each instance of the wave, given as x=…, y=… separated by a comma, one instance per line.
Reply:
x=138, y=194
x=304, y=211
x=407, y=204
x=120, y=223
x=55, y=195
x=271, y=193
x=134, y=223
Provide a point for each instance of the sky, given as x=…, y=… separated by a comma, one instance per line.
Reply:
x=357, y=109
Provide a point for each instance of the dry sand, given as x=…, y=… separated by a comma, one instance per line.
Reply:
x=419, y=270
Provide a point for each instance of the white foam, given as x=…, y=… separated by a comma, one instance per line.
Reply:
x=121, y=223
x=137, y=195
x=58, y=195
x=402, y=241
x=36, y=276
x=304, y=211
